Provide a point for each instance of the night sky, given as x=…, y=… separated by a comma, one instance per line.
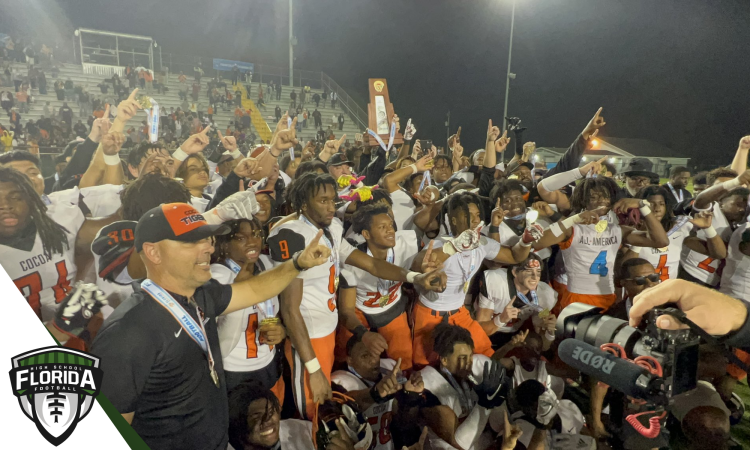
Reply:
x=676, y=72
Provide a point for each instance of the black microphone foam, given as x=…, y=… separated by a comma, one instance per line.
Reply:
x=620, y=374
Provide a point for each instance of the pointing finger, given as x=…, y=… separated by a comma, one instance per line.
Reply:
x=598, y=111
x=133, y=94
x=396, y=368
x=604, y=158
x=316, y=239
x=221, y=137
x=341, y=141
x=106, y=112
x=489, y=126
x=458, y=135
x=206, y=130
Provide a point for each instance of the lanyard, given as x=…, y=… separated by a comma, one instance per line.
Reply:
x=463, y=390
x=467, y=275
x=193, y=329
x=267, y=304
x=534, y=303
x=677, y=197
x=329, y=243
x=46, y=200
x=380, y=141
x=385, y=285
x=426, y=181
x=682, y=220
x=368, y=383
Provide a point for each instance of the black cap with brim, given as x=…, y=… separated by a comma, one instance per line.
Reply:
x=175, y=222
x=640, y=173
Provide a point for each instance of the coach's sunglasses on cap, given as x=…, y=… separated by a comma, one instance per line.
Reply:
x=640, y=281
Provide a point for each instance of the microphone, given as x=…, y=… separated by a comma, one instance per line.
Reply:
x=622, y=375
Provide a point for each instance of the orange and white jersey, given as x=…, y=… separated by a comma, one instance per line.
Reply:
x=700, y=266
x=590, y=258
x=735, y=279
x=45, y=281
x=318, y=306
x=379, y=416
x=666, y=260
x=241, y=349
x=375, y=296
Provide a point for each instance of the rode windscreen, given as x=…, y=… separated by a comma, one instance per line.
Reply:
x=620, y=374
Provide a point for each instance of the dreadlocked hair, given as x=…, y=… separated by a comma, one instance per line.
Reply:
x=649, y=191
x=240, y=398
x=150, y=191
x=362, y=219
x=221, y=242
x=459, y=202
x=305, y=187
x=50, y=232
x=446, y=336
x=584, y=187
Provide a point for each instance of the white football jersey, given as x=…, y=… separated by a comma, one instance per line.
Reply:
x=45, y=281
x=403, y=208
x=369, y=299
x=379, y=416
x=460, y=269
x=318, y=306
x=667, y=260
x=498, y=298
x=590, y=258
x=103, y=200
x=509, y=238
x=700, y=266
x=735, y=278
x=241, y=349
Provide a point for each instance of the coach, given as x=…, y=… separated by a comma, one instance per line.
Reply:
x=160, y=350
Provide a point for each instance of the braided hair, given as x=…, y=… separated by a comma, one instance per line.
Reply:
x=648, y=191
x=583, y=191
x=459, y=202
x=50, y=232
x=305, y=187
x=221, y=243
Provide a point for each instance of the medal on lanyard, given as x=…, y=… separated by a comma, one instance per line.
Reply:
x=375, y=136
x=384, y=286
x=426, y=181
x=196, y=331
x=467, y=276
x=674, y=192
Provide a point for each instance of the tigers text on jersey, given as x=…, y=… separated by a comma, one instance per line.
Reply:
x=318, y=307
x=700, y=266
x=498, y=298
x=459, y=268
x=45, y=281
x=666, y=260
x=241, y=349
x=369, y=300
x=379, y=415
x=735, y=281
x=590, y=258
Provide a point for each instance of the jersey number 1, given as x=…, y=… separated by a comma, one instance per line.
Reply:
x=599, y=266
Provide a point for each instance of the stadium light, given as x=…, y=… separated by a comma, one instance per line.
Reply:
x=611, y=160
x=594, y=142
x=585, y=159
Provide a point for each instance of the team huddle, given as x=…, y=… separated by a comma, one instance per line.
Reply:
x=324, y=296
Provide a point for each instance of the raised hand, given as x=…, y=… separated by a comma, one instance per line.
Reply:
x=197, y=142
x=283, y=123
x=532, y=233
x=492, y=132
x=389, y=384
x=112, y=142
x=489, y=390
x=314, y=254
x=744, y=178
x=100, y=127
x=592, y=128
x=498, y=214
x=519, y=339
x=428, y=196
x=544, y=208
x=416, y=150
x=229, y=142
x=247, y=168
x=502, y=142
x=745, y=143
x=702, y=220
x=332, y=146
x=240, y=205
x=128, y=108
x=375, y=343
x=424, y=163
x=510, y=313
x=430, y=261
x=415, y=383
x=528, y=149
x=593, y=167
x=454, y=139
x=286, y=138
x=511, y=433
x=78, y=307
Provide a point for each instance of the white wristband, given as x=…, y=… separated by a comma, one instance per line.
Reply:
x=572, y=220
x=411, y=276
x=413, y=168
x=111, y=160
x=524, y=244
x=645, y=210
x=731, y=184
x=312, y=366
x=498, y=323
x=179, y=154
x=549, y=336
x=710, y=232
x=235, y=154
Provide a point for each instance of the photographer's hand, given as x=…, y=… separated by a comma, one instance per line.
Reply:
x=716, y=313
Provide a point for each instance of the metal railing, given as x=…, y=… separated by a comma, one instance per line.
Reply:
x=345, y=101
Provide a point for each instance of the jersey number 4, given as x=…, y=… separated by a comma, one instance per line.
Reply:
x=599, y=266
x=31, y=287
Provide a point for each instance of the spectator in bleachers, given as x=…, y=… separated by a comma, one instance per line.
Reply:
x=197, y=73
x=302, y=97
x=66, y=114
x=277, y=112
x=33, y=74
x=334, y=97
x=6, y=101
x=60, y=90
x=196, y=90
x=341, y=121
x=148, y=76
x=42, y=82
x=22, y=99
x=293, y=96
x=132, y=79
x=69, y=90
x=305, y=115
x=15, y=120
x=334, y=119
x=235, y=75
x=17, y=78
x=80, y=129
x=278, y=91
x=317, y=118
x=238, y=97
x=325, y=96
x=84, y=103
x=47, y=111
x=316, y=99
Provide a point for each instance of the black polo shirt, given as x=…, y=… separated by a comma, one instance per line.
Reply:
x=154, y=368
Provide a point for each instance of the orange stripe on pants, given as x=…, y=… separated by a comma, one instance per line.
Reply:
x=425, y=322
x=397, y=334
x=323, y=348
x=601, y=301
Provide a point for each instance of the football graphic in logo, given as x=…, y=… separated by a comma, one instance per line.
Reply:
x=56, y=388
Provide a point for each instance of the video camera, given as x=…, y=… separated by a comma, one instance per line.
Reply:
x=645, y=362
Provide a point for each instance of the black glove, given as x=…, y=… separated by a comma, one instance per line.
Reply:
x=491, y=391
x=78, y=307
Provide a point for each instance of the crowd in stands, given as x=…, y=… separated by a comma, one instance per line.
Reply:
x=342, y=295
